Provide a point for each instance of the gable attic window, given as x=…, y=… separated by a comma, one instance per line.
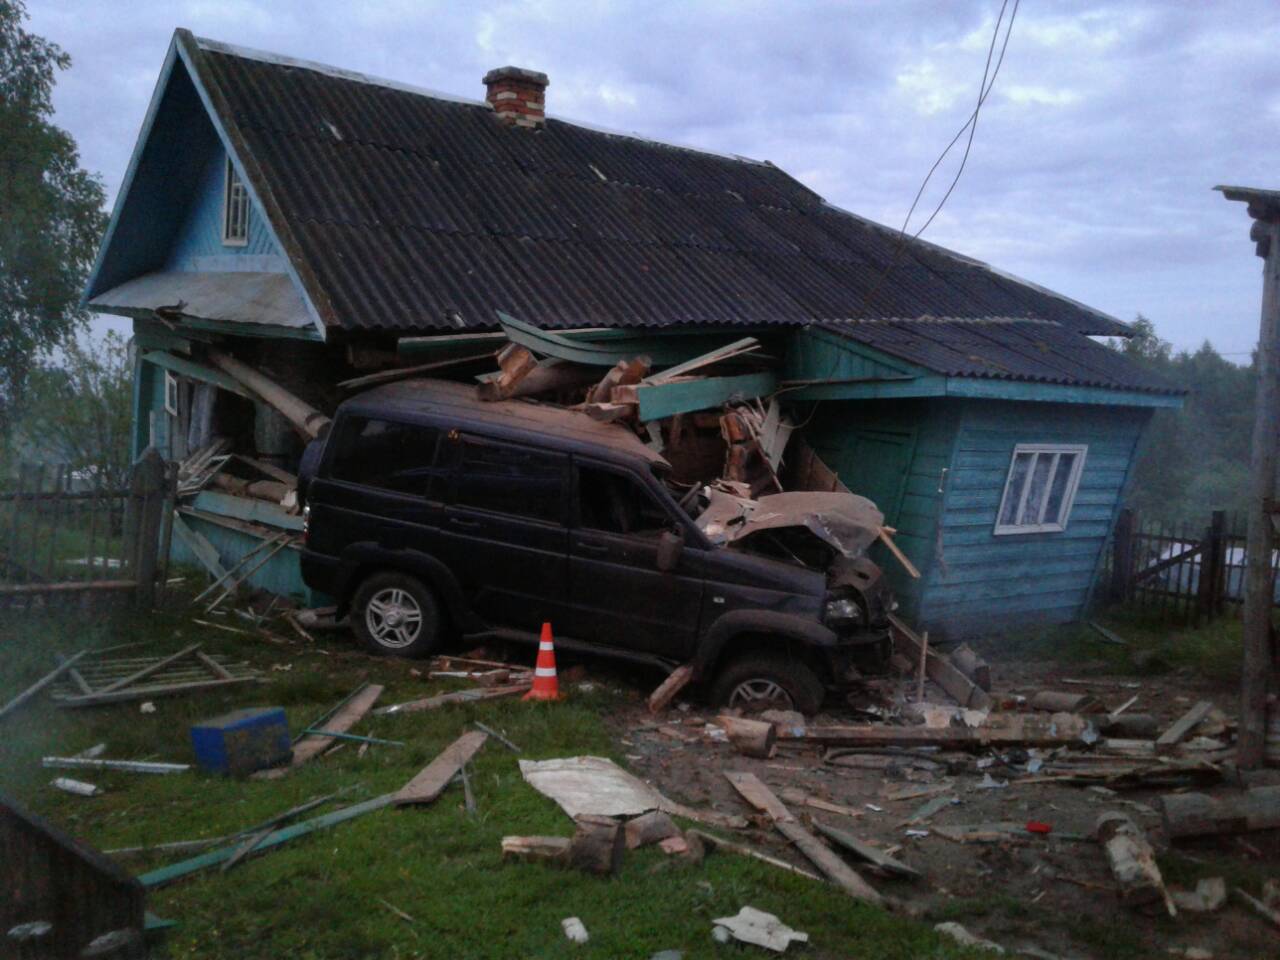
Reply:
x=235, y=209
x=1041, y=488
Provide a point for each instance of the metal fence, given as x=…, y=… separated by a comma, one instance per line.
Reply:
x=61, y=532
x=1184, y=572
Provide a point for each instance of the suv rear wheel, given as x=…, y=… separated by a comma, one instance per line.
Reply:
x=397, y=615
x=758, y=682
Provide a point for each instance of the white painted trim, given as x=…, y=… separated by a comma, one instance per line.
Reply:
x=228, y=173
x=1056, y=450
x=170, y=394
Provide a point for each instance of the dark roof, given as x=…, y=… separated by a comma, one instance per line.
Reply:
x=570, y=429
x=403, y=211
x=1005, y=349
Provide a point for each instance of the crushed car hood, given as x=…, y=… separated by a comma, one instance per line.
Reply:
x=846, y=522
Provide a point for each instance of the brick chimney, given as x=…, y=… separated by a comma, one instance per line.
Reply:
x=518, y=96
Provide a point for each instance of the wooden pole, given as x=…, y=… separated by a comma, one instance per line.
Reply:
x=307, y=420
x=1258, y=544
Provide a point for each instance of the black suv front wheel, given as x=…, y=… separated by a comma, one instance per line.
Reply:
x=757, y=682
x=396, y=615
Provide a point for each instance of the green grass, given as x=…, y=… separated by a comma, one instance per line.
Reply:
x=320, y=896
x=1212, y=651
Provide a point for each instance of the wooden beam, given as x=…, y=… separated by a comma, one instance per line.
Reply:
x=346, y=718
x=880, y=861
x=658, y=401
x=435, y=776
x=457, y=696
x=200, y=547
x=941, y=670
x=197, y=371
x=666, y=691
x=737, y=348
x=1182, y=727
x=40, y=684
x=835, y=869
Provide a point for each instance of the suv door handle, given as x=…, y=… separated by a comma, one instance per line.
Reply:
x=463, y=522
x=592, y=547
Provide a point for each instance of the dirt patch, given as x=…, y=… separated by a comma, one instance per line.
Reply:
x=1049, y=891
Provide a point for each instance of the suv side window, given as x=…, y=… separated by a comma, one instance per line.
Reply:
x=616, y=503
x=388, y=455
x=503, y=478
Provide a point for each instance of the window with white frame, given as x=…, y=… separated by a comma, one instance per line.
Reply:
x=1041, y=487
x=235, y=209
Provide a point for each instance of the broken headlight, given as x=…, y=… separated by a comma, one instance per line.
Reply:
x=843, y=613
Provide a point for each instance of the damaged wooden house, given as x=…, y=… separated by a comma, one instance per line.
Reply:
x=288, y=233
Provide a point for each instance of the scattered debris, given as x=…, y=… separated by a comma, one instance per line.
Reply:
x=597, y=845
x=1132, y=862
x=761, y=929
x=65, y=666
x=966, y=939
x=752, y=738
x=78, y=787
x=496, y=735
x=340, y=719
x=1209, y=895
x=1258, y=907
x=666, y=691
x=1183, y=726
x=574, y=930
x=546, y=849
x=457, y=696
x=1053, y=701
x=1197, y=814
x=99, y=681
x=881, y=863
x=742, y=849
x=435, y=776
x=652, y=827
x=127, y=766
x=835, y=869
x=594, y=785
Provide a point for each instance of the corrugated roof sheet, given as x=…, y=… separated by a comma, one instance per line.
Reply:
x=414, y=213
x=1005, y=348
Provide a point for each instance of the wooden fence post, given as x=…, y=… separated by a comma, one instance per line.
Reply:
x=1122, y=556
x=1209, y=587
x=147, y=490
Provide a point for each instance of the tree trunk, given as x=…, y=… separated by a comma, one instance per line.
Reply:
x=1196, y=814
x=649, y=828
x=597, y=845
x=1132, y=861
x=754, y=738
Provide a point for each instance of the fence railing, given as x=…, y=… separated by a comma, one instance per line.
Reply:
x=1182, y=572
x=64, y=532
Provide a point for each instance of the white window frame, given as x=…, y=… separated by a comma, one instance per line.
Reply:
x=170, y=394
x=1047, y=525
x=235, y=209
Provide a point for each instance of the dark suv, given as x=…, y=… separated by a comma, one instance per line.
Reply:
x=430, y=512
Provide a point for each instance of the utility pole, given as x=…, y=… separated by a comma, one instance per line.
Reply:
x=1264, y=208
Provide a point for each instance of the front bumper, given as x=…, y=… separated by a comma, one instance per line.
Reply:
x=863, y=652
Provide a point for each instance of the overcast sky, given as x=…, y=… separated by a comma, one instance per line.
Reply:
x=1090, y=172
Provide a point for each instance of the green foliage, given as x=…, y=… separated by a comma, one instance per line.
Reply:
x=78, y=411
x=1194, y=460
x=50, y=210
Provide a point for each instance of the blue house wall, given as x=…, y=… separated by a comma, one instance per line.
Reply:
x=979, y=580
x=198, y=245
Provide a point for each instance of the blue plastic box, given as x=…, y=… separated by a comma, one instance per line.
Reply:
x=242, y=741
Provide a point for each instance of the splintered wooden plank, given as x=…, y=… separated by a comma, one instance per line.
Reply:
x=341, y=722
x=1183, y=726
x=939, y=668
x=758, y=795
x=435, y=776
x=864, y=851
x=676, y=681
x=457, y=696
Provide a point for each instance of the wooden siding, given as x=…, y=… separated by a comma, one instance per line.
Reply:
x=198, y=244
x=981, y=579
x=281, y=574
x=911, y=502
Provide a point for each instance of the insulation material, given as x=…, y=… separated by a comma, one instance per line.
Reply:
x=844, y=521
x=591, y=785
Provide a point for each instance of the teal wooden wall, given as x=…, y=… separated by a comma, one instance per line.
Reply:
x=983, y=582
x=280, y=574
x=198, y=244
x=894, y=452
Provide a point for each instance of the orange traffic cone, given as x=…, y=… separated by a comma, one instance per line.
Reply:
x=545, y=684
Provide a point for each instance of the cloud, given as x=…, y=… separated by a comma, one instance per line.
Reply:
x=1090, y=171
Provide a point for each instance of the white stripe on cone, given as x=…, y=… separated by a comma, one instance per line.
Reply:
x=545, y=672
x=545, y=645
